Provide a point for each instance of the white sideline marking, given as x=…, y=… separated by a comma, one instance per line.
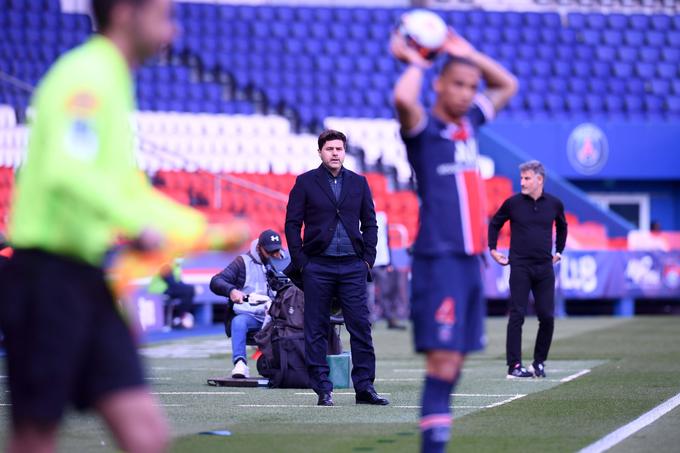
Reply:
x=399, y=379
x=409, y=370
x=171, y=405
x=574, y=376
x=283, y=405
x=500, y=403
x=198, y=393
x=631, y=428
x=158, y=378
x=485, y=394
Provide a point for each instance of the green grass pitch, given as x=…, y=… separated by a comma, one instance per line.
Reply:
x=602, y=374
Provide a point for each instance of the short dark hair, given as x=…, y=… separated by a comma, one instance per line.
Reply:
x=454, y=61
x=330, y=134
x=101, y=11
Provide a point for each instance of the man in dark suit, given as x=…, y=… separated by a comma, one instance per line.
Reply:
x=334, y=259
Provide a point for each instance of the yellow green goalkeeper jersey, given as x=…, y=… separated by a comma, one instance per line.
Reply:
x=79, y=186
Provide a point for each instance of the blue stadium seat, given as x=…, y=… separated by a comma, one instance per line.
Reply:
x=670, y=54
x=675, y=19
x=616, y=86
x=574, y=103
x=612, y=37
x=564, y=52
x=605, y=53
x=584, y=52
x=493, y=19
x=634, y=38
x=613, y=104
x=596, y=21
x=667, y=70
x=457, y=19
x=633, y=104
x=644, y=70
x=600, y=69
x=557, y=85
x=623, y=70
x=537, y=84
x=541, y=68
x=549, y=35
x=530, y=35
x=675, y=86
x=554, y=103
x=655, y=38
x=534, y=102
x=527, y=52
x=576, y=20
x=545, y=52
x=635, y=86
x=381, y=15
x=660, y=87
x=617, y=21
x=649, y=54
x=673, y=105
x=567, y=36
x=590, y=37
x=507, y=51
x=522, y=68
x=638, y=21
x=511, y=35
x=577, y=86
x=561, y=68
x=660, y=22
x=653, y=104
x=594, y=103
x=475, y=18
x=581, y=68
x=597, y=85
x=491, y=35
x=673, y=38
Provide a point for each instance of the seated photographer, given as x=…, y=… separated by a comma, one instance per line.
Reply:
x=244, y=283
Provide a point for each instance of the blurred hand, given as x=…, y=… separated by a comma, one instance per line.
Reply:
x=457, y=46
x=236, y=296
x=500, y=258
x=557, y=258
x=405, y=53
x=148, y=240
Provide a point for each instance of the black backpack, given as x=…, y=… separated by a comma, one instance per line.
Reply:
x=282, y=341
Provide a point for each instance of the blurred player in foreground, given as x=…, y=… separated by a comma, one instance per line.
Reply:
x=67, y=343
x=448, y=305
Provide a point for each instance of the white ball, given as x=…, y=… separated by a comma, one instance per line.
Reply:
x=424, y=30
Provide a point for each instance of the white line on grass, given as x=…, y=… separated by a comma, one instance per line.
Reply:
x=198, y=393
x=631, y=428
x=172, y=405
x=489, y=395
x=575, y=375
x=500, y=403
x=283, y=405
x=399, y=379
x=158, y=378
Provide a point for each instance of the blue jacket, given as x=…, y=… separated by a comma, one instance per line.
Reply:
x=311, y=203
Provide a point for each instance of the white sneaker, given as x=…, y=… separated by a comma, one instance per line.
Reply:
x=240, y=370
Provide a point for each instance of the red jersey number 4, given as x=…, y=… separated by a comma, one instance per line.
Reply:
x=446, y=313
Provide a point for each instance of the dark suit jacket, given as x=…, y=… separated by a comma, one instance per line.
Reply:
x=311, y=202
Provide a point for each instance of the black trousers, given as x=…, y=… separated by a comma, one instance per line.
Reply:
x=324, y=278
x=539, y=278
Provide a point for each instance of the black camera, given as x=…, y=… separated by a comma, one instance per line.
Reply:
x=276, y=279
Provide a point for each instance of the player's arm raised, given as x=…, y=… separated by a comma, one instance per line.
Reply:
x=501, y=85
x=410, y=111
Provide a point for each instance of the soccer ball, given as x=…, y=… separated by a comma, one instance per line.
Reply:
x=424, y=30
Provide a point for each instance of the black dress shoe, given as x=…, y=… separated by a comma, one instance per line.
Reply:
x=371, y=397
x=395, y=326
x=325, y=399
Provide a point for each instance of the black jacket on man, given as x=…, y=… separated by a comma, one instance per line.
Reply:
x=312, y=202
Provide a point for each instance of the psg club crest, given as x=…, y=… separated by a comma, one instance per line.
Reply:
x=587, y=149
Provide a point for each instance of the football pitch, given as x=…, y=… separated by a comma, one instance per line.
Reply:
x=602, y=374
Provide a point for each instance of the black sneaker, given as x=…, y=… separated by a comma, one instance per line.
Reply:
x=518, y=371
x=538, y=369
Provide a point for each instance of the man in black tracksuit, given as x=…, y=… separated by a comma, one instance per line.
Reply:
x=532, y=214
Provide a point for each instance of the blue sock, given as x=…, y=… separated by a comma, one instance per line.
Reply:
x=435, y=416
